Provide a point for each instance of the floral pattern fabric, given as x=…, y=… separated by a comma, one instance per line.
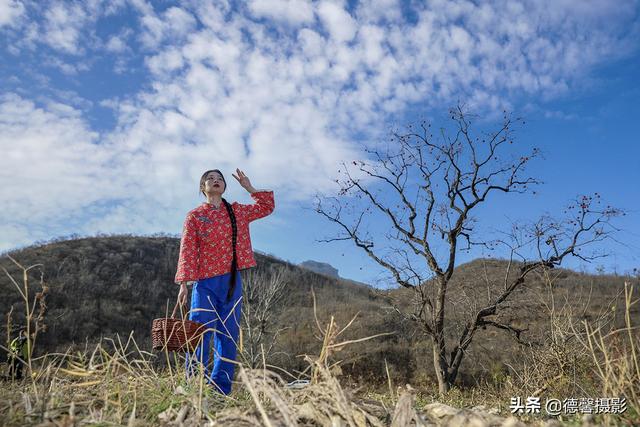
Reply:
x=205, y=247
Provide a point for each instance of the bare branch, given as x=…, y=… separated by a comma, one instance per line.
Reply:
x=422, y=194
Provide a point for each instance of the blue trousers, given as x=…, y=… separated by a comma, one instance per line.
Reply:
x=210, y=307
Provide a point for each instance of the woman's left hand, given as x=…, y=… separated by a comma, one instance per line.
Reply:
x=244, y=181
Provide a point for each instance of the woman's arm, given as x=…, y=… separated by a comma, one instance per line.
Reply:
x=265, y=203
x=189, y=252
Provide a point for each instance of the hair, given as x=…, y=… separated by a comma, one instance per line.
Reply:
x=234, y=231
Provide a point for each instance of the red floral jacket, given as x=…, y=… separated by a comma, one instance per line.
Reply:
x=205, y=248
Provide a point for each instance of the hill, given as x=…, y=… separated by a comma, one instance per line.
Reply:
x=321, y=268
x=101, y=286
x=106, y=285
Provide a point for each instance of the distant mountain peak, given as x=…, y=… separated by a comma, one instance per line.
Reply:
x=321, y=268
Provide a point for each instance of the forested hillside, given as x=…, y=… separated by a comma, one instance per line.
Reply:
x=99, y=287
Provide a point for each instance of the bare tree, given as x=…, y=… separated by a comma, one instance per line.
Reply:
x=262, y=292
x=410, y=207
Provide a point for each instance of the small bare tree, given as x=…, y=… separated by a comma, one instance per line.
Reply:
x=409, y=206
x=34, y=323
x=262, y=292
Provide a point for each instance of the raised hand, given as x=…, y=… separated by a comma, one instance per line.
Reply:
x=243, y=180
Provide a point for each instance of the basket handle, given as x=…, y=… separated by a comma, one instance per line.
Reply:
x=175, y=307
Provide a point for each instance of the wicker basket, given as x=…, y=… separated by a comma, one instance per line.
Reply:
x=175, y=334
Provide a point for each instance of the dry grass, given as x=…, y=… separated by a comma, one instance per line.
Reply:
x=116, y=383
x=615, y=358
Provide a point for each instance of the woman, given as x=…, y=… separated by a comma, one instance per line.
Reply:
x=215, y=245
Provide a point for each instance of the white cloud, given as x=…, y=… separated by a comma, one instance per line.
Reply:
x=10, y=11
x=49, y=158
x=166, y=61
x=68, y=68
x=265, y=100
x=293, y=12
x=117, y=43
x=63, y=25
x=378, y=11
x=173, y=25
x=56, y=178
x=312, y=43
x=337, y=20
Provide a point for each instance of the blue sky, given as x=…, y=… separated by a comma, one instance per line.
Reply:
x=111, y=110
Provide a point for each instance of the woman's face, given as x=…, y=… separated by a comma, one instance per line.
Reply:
x=214, y=184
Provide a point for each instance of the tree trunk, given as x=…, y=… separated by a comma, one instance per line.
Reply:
x=445, y=382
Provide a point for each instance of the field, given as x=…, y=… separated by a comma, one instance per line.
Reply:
x=92, y=363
